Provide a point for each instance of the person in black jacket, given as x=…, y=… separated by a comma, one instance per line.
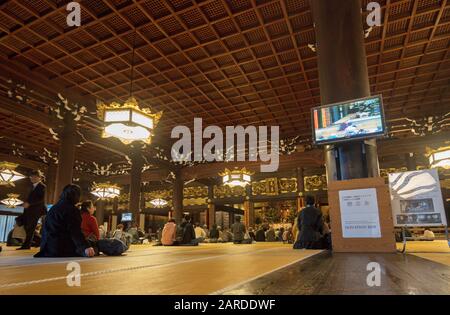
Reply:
x=260, y=235
x=214, y=232
x=34, y=208
x=62, y=235
x=310, y=223
x=188, y=232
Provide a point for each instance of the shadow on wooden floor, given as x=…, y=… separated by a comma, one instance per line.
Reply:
x=342, y=273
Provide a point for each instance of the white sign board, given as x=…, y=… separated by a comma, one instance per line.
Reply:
x=416, y=199
x=359, y=213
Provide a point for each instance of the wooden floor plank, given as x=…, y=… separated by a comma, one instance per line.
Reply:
x=263, y=268
x=177, y=270
x=347, y=273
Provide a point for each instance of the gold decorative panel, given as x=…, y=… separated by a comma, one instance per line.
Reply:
x=288, y=185
x=195, y=192
x=195, y=202
x=315, y=182
x=163, y=194
x=226, y=191
x=274, y=186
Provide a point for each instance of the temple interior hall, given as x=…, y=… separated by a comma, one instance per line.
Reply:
x=224, y=147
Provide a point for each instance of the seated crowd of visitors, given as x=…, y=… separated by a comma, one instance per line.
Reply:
x=71, y=231
x=188, y=234
x=67, y=230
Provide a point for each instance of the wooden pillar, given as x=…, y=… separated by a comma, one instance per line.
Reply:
x=249, y=213
x=142, y=201
x=249, y=210
x=115, y=205
x=300, y=189
x=211, y=212
x=66, y=156
x=343, y=75
x=50, y=182
x=100, y=211
x=137, y=163
x=411, y=163
x=178, y=186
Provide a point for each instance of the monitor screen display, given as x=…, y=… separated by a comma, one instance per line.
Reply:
x=356, y=119
x=127, y=217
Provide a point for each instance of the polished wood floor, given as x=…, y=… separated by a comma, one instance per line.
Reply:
x=264, y=268
x=148, y=270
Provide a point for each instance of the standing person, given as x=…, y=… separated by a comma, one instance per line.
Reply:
x=238, y=230
x=89, y=224
x=34, y=208
x=62, y=235
x=310, y=223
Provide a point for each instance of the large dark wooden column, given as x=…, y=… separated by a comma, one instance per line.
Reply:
x=249, y=210
x=66, y=156
x=137, y=163
x=300, y=189
x=177, y=201
x=343, y=75
x=50, y=182
x=211, y=212
x=100, y=211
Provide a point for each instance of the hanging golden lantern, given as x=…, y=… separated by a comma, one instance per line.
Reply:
x=440, y=158
x=12, y=201
x=159, y=203
x=8, y=174
x=105, y=190
x=128, y=122
x=236, y=177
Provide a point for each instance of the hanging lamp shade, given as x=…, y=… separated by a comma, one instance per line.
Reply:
x=105, y=190
x=8, y=174
x=12, y=201
x=159, y=203
x=128, y=122
x=236, y=177
x=440, y=158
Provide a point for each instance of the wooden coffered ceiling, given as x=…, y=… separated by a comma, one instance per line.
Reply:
x=228, y=61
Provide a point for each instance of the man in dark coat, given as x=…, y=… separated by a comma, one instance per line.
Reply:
x=34, y=208
x=188, y=232
x=238, y=230
x=62, y=235
x=260, y=235
x=310, y=223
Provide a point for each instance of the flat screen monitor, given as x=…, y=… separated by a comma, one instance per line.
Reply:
x=126, y=217
x=356, y=119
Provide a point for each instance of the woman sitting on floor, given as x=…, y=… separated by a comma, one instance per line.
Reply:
x=169, y=234
x=62, y=235
x=89, y=224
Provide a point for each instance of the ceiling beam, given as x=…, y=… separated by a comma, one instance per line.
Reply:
x=27, y=163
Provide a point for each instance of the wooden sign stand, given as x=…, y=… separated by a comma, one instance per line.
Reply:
x=385, y=244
